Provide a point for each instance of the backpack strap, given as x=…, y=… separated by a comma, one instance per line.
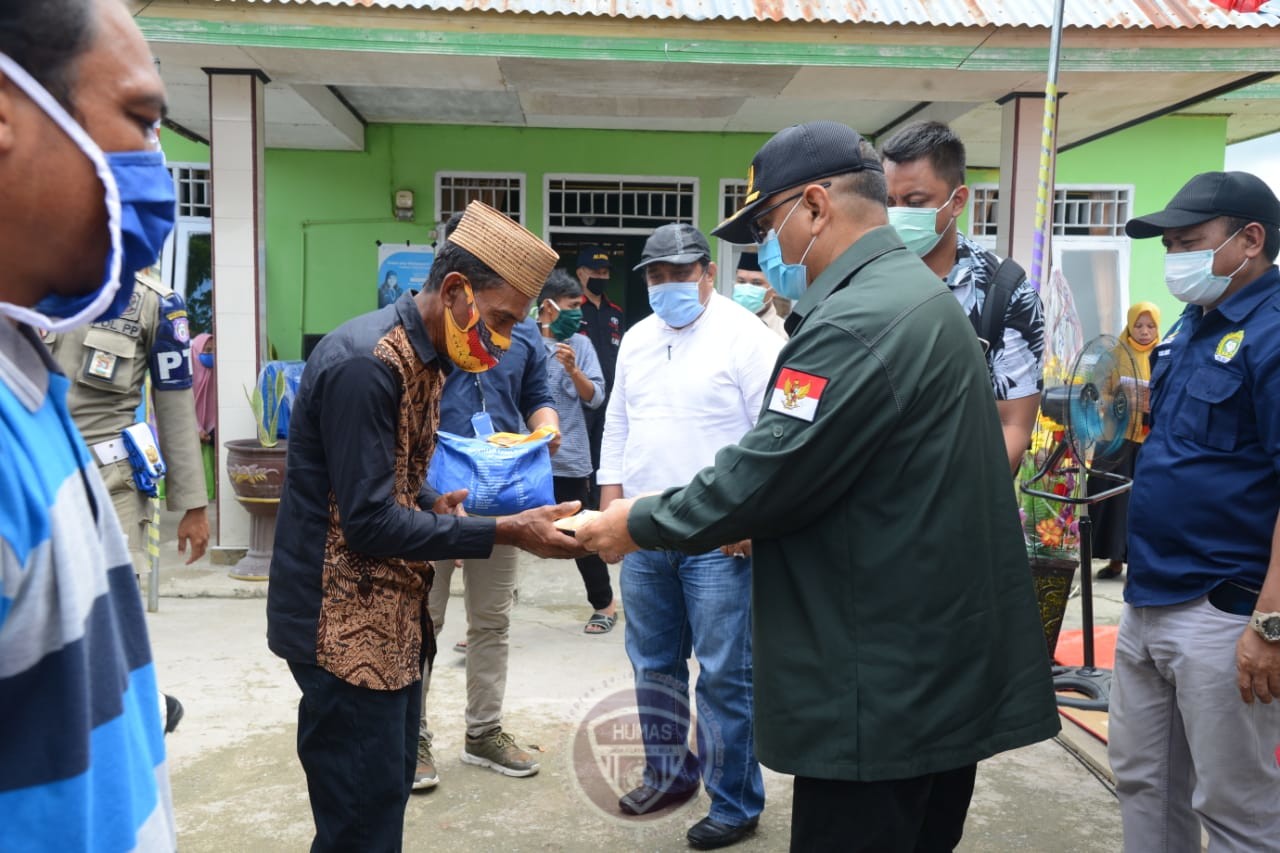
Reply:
x=1007, y=279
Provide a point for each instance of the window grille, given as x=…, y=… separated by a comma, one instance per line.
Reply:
x=637, y=204
x=733, y=195
x=192, y=185
x=455, y=190
x=1077, y=211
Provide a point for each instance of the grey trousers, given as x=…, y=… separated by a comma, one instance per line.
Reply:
x=1185, y=749
x=487, y=595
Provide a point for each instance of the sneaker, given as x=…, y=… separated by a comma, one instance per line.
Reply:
x=497, y=750
x=173, y=712
x=424, y=775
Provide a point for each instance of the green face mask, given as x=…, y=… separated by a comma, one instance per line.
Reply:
x=566, y=323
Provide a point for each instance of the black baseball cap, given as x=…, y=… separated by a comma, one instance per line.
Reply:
x=677, y=243
x=1209, y=195
x=593, y=257
x=801, y=154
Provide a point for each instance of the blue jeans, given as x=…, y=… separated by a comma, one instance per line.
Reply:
x=677, y=603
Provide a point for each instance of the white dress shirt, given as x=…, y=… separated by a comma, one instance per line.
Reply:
x=679, y=395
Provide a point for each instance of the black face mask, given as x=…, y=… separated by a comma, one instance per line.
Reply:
x=597, y=285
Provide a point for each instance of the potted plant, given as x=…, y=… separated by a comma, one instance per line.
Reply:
x=1050, y=529
x=255, y=467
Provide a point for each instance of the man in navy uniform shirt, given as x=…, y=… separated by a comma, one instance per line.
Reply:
x=1195, y=735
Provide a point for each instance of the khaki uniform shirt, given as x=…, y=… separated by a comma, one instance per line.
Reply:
x=107, y=364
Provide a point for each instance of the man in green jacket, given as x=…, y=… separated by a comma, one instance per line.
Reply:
x=902, y=643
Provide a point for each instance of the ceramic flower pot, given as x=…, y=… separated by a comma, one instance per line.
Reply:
x=1052, y=578
x=257, y=476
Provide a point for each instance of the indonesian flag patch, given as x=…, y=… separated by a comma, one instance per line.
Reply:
x=797, y=394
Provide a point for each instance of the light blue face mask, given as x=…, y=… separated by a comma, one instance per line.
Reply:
x=676, y=303
x=788, y=280
x=916, y=225
x=750, y=296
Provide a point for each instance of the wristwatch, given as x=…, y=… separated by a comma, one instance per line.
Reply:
x=1267, y=625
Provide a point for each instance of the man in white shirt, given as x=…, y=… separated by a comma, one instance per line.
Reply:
x=690, y=380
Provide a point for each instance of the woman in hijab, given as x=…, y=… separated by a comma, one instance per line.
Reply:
x=205, y=387
x=1111, y=517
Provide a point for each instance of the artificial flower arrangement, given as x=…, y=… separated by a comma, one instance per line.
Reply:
x=1050, y=529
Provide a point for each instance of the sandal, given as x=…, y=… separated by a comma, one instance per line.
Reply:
x=600, y=623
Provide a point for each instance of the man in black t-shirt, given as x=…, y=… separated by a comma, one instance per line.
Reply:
x=602, y=323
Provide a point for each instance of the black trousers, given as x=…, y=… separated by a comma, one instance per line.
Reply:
x=358, y=748
x=920, y=815
x=594, y=571
x=1111, y=517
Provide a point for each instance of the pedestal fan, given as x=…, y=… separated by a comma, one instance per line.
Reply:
x=1096, y=407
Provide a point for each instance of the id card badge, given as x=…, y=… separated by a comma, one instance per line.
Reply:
x=482, y=424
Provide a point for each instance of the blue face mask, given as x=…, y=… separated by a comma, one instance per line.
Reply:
x=206, y=359
x=147, y=212
x=141, y=209
x=789, y=280
x=677, y=303
x=750, y=296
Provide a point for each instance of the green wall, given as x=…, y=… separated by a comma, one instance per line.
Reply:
x=325, y=210
x=179, y=149
x=1156, y=158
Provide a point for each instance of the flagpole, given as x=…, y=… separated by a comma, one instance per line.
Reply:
x=1048, y=155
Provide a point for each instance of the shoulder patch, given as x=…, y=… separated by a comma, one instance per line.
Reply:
x=171, y=352
x=797, y=394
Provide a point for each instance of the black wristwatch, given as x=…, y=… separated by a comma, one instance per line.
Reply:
x=1267, y=625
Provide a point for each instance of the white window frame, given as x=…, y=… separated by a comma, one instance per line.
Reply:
x=169, y=255
x=727, y=253
x=1074, y=242
x=519, y=177
x=989, y=241
x=548, y=229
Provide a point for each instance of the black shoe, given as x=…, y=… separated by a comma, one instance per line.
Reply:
x=1109, y=571
x=708, y=834
x=644, y=799
x=172, y=713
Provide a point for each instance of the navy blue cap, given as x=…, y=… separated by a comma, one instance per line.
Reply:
x=593, y=257
x=801, y=154
x=1209, y=195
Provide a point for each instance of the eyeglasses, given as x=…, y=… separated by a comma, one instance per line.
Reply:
x=757, y=233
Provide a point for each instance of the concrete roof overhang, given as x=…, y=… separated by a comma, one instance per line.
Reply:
x=332, y=70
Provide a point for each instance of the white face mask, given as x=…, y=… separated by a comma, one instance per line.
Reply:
x=1189, y=275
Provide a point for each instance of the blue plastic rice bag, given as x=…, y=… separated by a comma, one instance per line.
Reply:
x=504, y=473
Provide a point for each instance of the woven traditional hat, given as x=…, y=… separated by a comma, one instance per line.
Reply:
x=511, y=250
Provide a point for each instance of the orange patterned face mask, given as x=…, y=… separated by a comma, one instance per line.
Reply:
x=474, y=347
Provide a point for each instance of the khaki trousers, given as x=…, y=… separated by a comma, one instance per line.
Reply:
x=488, y=587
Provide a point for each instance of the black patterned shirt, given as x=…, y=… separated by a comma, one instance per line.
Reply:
x=1016, y=360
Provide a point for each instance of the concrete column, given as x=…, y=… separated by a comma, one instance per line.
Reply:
x=1022, y=124
x=239, y=267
